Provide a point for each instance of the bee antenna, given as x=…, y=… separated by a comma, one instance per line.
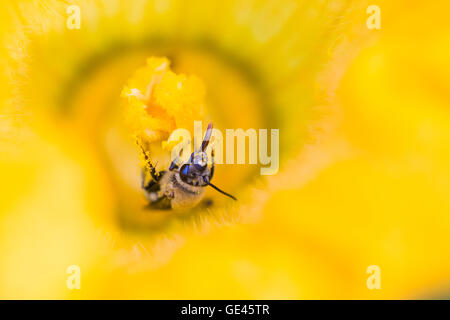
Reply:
x=207, y=137
x=221, y=191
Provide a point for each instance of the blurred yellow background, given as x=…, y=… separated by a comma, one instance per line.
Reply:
x=364, y=125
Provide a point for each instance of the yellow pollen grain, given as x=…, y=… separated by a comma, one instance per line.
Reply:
x=158, y=101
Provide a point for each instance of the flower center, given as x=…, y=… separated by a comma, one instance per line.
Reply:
x=232, y=101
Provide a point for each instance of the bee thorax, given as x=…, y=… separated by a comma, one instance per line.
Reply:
x=179, y=192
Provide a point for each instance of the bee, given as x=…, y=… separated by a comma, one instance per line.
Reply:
x=181, y=185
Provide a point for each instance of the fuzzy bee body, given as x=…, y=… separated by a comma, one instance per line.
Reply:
x=181, y=186
x=172, y=192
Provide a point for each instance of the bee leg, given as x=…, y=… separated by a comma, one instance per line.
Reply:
x=150, y=186
x=149, y=166
x=173, y=164
x=143, y=176
x=155, y=176
x=153, y=182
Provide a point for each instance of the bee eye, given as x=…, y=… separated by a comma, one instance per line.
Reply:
x=184, y=171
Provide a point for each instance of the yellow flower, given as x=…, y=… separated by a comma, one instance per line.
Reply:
x=161, y=101
x=364, y=160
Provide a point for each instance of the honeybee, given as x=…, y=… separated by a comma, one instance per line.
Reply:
x=181, y=185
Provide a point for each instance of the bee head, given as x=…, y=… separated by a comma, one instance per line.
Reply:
x=195, y=171
x=199, y=160
x=195, y=168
